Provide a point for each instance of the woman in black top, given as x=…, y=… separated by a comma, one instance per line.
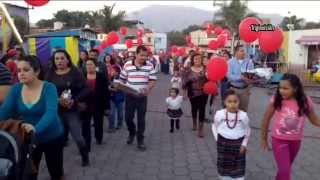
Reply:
x=82, y=60
x=97, y=102
x=72, y=90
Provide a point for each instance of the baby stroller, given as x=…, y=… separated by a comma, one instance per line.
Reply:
x=15, y=151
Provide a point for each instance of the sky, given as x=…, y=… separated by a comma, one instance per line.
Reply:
x=303, y=9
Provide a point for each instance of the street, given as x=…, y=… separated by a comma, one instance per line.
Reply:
x=182, y=155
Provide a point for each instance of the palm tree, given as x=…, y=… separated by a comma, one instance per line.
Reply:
x=109, y=21
x=297, y=22
x=232, y=14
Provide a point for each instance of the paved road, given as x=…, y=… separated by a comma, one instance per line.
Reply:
x=183, y=155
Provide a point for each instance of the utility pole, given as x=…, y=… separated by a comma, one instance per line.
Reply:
x=290, y=26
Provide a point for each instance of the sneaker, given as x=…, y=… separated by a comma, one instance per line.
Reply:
x=171, y=130
x=130, y=140
x=142, y=147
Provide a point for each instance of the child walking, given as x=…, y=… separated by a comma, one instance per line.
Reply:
x=290, y=107
x=174, y=102
x=176, y=80
x=117, y=102
x=231, y=130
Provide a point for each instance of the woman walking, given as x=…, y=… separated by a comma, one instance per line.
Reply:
x=193, y=81
x=96, y=102
x=36, y=102
x=72, y=90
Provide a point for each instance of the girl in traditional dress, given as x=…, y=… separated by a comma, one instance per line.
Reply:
x=231, y=130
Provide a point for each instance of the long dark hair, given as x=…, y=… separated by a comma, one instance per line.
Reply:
x=80, y=62
x=192, y=58
x=112, y=61
x=35, y=64
x=299, y=94
x=66, y=54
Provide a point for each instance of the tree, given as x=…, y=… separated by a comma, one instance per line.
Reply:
x=21, y=25
x=232, y=14
x=78, y=19
x=176, y=38
x=45, y=23
x=110, y=22
x=297, y=22
x=312, y=25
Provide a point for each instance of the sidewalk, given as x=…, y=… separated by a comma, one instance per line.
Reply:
x=182, y=155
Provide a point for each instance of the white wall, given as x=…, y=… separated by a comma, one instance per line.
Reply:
x=298, y=53
x=160, y=41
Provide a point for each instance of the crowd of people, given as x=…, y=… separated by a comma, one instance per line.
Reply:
x=60, y=98
x=289, y=108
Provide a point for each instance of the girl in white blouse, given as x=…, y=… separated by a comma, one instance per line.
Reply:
x=231, y=130
x=174, y=103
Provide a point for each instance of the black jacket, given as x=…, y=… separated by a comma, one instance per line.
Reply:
x=73, y=80
x=101, y=96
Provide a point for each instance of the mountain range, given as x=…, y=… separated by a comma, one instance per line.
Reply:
x=165, y=18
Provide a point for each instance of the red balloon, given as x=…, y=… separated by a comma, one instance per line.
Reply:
x=213, y=44
x=218, y=30
x=245, y=31
x=140, y=32
x=209, y=26
x=217, y=68
x=37, y=2
x=140, y=41
x=174, y=49
x=104, y=44
x=227, y=32
x=123, y=30
x=222, y=40
x=188, y=39
x=129, y=43
x=181, y=51
x=271, y=41
x=210, y=88
x=112, y=38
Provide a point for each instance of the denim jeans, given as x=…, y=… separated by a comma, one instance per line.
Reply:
x=116, y=115
x=72, y=123
x=134, y=104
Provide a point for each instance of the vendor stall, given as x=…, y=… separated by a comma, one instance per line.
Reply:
x=73, y=41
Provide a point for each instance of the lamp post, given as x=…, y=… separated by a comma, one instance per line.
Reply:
x=290, y=26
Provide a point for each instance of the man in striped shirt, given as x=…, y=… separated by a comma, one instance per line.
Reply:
x=5, y=81
x=139, y=75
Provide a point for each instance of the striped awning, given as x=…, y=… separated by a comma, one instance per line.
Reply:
x=309, y=40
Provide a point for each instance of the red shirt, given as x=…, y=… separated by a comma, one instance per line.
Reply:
x=12, y=66
x=92, y=85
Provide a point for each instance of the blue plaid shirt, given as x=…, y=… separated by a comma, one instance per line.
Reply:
x=236, y=68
